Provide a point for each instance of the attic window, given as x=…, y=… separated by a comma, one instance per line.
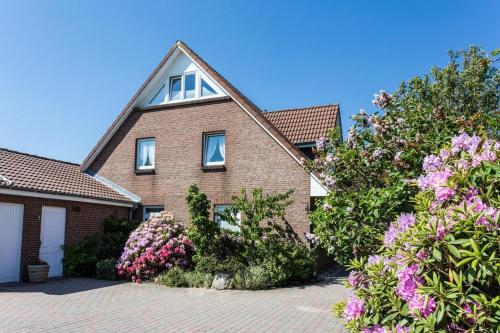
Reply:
x=175, y=88
x=186, y=86
x=206, y=89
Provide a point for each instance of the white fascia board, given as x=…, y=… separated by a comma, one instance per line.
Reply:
x=115, y=187
x=317, y=189
x=63, y=197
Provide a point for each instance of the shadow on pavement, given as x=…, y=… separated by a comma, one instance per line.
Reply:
x=58, y=286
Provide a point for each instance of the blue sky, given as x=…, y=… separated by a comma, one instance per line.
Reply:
x=67, y=68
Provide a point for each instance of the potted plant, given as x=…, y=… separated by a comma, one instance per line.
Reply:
x=38, y=271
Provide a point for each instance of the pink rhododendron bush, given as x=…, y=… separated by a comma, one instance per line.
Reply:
x=439, y=269
x=155, y=246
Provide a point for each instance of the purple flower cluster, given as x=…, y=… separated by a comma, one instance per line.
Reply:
x=422, y=305
x=378, y=153
x=408, y=282
x=404, y=222
x=382, y=99
x=354, y=308
x=156, y=245
x=321, y=143
x=356, y=278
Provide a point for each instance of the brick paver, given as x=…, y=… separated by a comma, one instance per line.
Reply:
x=87, y=305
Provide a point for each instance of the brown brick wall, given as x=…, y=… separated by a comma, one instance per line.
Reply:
x=253, y=159
x=82, y=219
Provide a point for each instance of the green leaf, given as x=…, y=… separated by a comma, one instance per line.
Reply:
x=453, y=250
x=436, y=254
x=465, y=261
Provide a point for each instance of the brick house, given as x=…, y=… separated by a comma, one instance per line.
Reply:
x=186, y=125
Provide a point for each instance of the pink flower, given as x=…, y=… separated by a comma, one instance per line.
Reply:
x=354, y=308
x=402, y=329
x=423, y=305
x=375, y=329
x=444, y=193
x=408, y=282
x=432, y=163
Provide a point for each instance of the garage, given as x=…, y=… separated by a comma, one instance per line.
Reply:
x=11, y=235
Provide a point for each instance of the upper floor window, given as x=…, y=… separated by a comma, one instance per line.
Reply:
x=186, y=86
x=145, y=155
x=214, y=149
x=224, y=224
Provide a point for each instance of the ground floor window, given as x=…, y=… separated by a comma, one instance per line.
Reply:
x=147, y=210
x=224, y=224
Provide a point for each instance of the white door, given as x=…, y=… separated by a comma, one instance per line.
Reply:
x=52, y=238
x=11, y=237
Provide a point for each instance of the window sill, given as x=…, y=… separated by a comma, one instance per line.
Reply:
x=213, y=168
x=145, y=171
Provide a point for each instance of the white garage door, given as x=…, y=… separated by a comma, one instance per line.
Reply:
x=52, y=238
x=11, y=236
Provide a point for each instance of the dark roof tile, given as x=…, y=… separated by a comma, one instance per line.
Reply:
x=20, y=171
x=304, y=124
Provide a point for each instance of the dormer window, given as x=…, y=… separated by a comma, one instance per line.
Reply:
x=175, y=88
x=206, y=89
x=186, y=86
x=190, y=86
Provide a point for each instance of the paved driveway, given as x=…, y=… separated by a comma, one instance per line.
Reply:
x=87, y=305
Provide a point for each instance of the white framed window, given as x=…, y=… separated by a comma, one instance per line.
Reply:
x=224, y=224
x=148, y=210
x=183, y=86
x=214, y=149
x=145, y=154
x=206, y=89
x=175, y=88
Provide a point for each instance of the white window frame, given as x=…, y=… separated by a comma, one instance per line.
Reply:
x=151, y=206
x=205, y=142
x=231, y=227
x=197, y=89
x=137, y=154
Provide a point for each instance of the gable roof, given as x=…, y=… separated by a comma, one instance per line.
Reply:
x=31, y=173
x=250, y=108
x=305, y=124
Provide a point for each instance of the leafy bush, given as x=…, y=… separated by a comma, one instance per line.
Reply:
x=173, y=278
x=105, y=269
x=251, y=278
x=213, y=265
x=155, y=246
x=366, y=175
x=266, y=243
x=262, y=241
x=176, y=277
x=439, y=269
x=81, y=259
x=202, y=230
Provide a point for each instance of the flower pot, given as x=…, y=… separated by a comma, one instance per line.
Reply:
x=38, y=273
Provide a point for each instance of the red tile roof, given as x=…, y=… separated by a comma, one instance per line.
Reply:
x=20, y=171
x=305, y=124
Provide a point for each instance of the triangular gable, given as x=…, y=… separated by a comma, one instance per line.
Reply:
x=155, y=79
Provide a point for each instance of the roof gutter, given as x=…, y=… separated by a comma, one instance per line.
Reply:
x=64, y=197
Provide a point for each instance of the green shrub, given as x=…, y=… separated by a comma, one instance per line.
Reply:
x=212, y=265
x=262, y=247
x=176, y=277
x=366, y=175
x=105, y=269
x=202, y=231
x=439, y=270
x=196, y=279
x=251, y=278
x=81, y=259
